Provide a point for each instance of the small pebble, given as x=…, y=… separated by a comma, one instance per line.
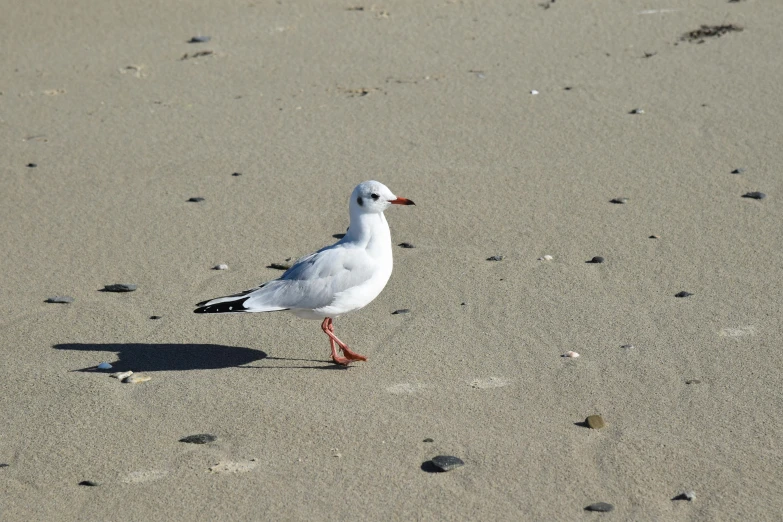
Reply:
x=280, y=266
x=3, y=465
x=220, y=267
x=136, y=379
x=686, y=495
x=154, y=317
x=428, y=440
x=495, y=258
x=406, y=245
x=754, y=195
x=595, y=422
x=655, y=236
x=60, y=299
x=627, y=346
x=546, y=258
x=236, y=174
x=200, y=39
x=88, y=483
x=196, y=199
x=121, y=375
x=738, y=171
x=104, y=366
x=637, y=111
x=570, y=354
x=602, y=507
x=619, y=201
x=534, y=92
x=464, y=303
x=201, y=438
x=597, y=259
x=120, y=287
x=683, y=294
x=693, y=381
x=401, y=311
x=447, y=462
x=32, y=165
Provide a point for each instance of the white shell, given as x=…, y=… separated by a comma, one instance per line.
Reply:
x=573, y=355
x=135, y=379
x=121, y=375
x=220, y=267
x=534, y=92
x=546, y=258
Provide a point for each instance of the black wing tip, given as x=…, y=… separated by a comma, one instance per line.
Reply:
x=221, y=308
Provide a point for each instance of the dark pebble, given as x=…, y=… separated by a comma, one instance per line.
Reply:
x=401, y=311
x=463, y=303
x=236, y=174
x=597, y=259
x=201, y=438
x=693, y=381
x=619, y=201
x=88, y=483
x=3, y=465
x=636, y=111
x=687, y=495
x=196, y=200
x=683, y=294
x=754, y=195
x=601, y=507
x=120, y=287
x=595, y=422
x=495, y=258
x=447, y=462
x=738, y=171
x=279, y=266
x=60, y=299
x=153, y=317
x=425, y=440
x=32, y=165
x=406, y=245
x=200, y=39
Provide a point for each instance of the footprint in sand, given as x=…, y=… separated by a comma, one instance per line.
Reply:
x=492, y=382
x=145, y=476
x=739, y=331
x=406, y=388
x=228, y=466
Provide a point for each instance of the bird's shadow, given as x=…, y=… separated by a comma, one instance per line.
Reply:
x=142, y=357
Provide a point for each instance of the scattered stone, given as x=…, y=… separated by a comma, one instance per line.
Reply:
x=546, y=258
x=155, y=317
x=601, y=507
x=121, y=375
x=401, y=311
x=693, y=381
x=236, y=174
x=63, y=299
x=709, y=31
x=3, y=465
x=534, y=92
x=104, y=366
x=754, y=195
x=686, y=495
x=595, y=422
x=136, y=379
x=200, y=39
x=280, y=266
x=88, y=483
x=655, y=236
x=627, y=346
x=187, y=56
x=220, y=267
x=428, y=440
x=567, y=88
x=464, y=303
x=636, y=111
x=196, y=199
x=572, y=355
x=406, y=245
x=447, y=462
x=738, y=171
x=120, y=287
x=201, y=438
x=597, y=259
x=495, y=258
x=683, y=294
x=32, y=165
x=619, y=201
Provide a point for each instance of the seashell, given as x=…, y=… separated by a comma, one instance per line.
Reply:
x=546, y=258
x=135, y=379
x=121, y=375
x=570, y=354
x=104, y=366
x=220, y=267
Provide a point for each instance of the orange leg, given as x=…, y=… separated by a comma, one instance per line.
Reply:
x=328, y=327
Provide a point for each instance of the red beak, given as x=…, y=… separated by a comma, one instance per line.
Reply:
x=401, y=201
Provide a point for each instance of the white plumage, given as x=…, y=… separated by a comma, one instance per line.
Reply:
x=335, y=280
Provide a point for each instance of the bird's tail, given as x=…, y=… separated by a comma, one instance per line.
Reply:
x=232, y=304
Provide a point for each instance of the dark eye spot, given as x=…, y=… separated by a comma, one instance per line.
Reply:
x=359, y=201
x=374, y=196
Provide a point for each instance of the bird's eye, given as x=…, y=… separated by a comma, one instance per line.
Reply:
x=374, y=196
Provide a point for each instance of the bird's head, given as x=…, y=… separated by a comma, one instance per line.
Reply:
x=373, y=197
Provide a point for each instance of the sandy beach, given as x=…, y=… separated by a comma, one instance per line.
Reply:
x=513, y=125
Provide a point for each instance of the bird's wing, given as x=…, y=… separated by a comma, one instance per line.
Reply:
x=315, y=280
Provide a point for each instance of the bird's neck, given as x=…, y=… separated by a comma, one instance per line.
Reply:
x=370, y=231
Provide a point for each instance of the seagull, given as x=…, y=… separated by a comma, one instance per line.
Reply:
x=335, y=280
